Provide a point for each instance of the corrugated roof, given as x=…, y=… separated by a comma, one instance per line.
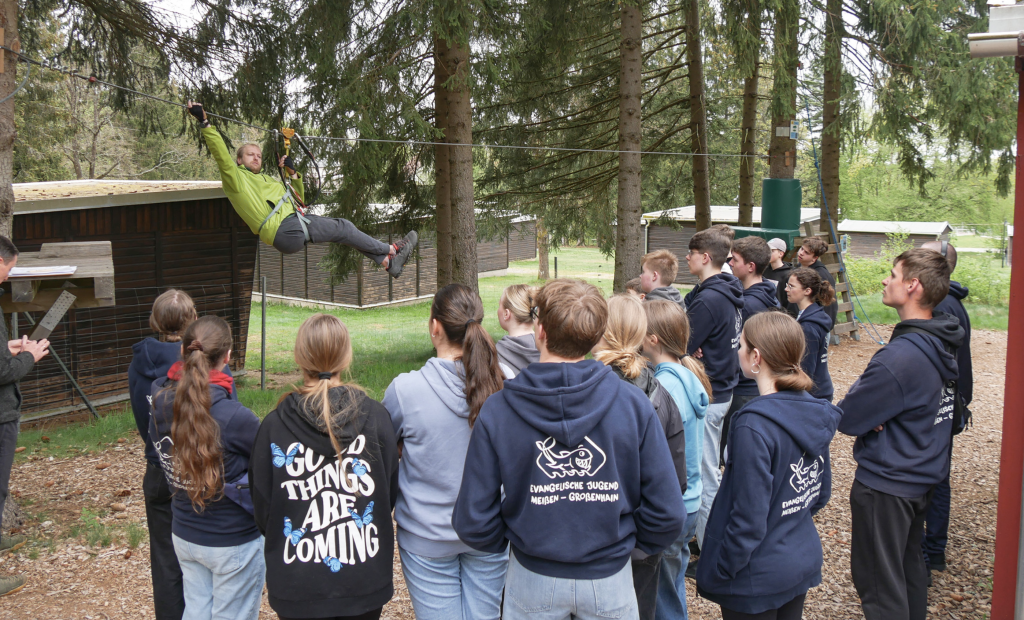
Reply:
x=92, y=194
x=910, y=228
x=721, y=214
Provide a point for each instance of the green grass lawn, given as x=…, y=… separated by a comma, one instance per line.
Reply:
x=982, y=316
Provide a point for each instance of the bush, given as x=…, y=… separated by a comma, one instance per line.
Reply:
x=867, y=273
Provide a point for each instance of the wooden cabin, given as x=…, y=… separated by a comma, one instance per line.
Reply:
x=676, y=238
x=864, y=238
x=163, y=234
x=299, y=278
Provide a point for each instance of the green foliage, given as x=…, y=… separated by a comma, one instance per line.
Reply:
x=136, y=534
x=95, y=532
x=987, y=281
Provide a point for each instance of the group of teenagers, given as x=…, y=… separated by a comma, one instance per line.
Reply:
x=565, y=470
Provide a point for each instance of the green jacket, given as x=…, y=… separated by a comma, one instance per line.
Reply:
x=250, y=193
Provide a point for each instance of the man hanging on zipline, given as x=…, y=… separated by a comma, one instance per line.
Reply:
x=267, y=205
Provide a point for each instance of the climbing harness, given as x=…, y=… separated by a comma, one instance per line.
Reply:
x=290, y=195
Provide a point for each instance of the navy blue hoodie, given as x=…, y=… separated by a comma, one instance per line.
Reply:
x=901, y=389
x=578, y=451
x=761, y=548
x=151, y=359
x=714, y=309
x=953, y=304
x=815, y=322
x=223, y=523
x=756, y=298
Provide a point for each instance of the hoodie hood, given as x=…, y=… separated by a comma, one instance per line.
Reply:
x=448, y=380
x=669, y=293
x=308, y=425
x=695, y=394
x=153, y=358
x=958, y=291
x=946, y=329
x=817, y=315
x=518, y=352
x=764, y=292
x=560, y=399
x=726, y=285
x=810, y=422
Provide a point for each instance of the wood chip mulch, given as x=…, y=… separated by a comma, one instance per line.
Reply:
x=68, y=578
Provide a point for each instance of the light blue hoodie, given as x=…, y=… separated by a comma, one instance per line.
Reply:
x=431, y=417
x=693, y=403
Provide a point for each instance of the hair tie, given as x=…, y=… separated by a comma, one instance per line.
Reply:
x=325, y=376
x=472, y=321
x=195, y=346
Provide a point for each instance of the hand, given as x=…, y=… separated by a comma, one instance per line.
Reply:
x=196, y=110
x=38, y=348
x=878, y=429
x=15, y=346
x=699, y=354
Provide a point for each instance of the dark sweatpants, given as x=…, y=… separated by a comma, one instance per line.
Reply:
x=646, y=574
x=290, y=239
x=936, y=533
x=793, y=610
x=168, y=597
x=8, y=442
x=885, y=554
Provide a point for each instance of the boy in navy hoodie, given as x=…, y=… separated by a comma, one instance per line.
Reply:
x=584, y=465
x=900, y=410
x=714, y=308
x=937, y=518
x=750, y=257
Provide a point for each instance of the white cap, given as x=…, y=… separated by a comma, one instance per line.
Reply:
x=777, y=244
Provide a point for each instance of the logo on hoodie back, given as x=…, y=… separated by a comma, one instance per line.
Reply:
x=586, y=460
x=805, y=481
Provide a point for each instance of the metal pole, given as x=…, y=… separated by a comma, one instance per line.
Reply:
x=556, y=267
x=263, y=332
x=67, y=373
x=1007, y=568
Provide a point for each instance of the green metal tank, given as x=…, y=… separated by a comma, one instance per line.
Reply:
x=780, y=203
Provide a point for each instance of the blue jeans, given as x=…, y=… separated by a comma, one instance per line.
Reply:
x=936, y=533
x=466, y=586
x=672, y=585
x=710, y=465
x=221, y=583
x=531, y=596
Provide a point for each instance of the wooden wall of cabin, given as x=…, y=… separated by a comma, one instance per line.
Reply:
x=868, y=245
x=202, y=247
x=522, y=243
x=676, y=240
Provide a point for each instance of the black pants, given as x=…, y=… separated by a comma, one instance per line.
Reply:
x=738, y=401
x=290, y=239
x=373, y=614
x=936, y=533
x=8, y=442
x=793, y=610
x=646, y=573
x=168, y=598
x=885, y=554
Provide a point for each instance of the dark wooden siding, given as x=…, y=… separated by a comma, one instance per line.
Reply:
x=522, y=243
x=675, y=240
x=867, y=245
x=491, y=255
x=202, y=247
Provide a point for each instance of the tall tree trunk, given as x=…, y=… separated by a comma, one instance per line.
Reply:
x=782, y=150
x=748, y=124
x=543, y=245
x=460, y=131
x=830, y=113
x=442, y=167
x=698, y=118
x=628, y=248
x=8, y=132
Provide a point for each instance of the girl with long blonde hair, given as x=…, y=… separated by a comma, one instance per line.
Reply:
x=330, y=543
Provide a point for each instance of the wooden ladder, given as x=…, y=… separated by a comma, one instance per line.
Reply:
x=846, y=321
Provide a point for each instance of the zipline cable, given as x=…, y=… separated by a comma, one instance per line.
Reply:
x=94, y=80
x=835, y=238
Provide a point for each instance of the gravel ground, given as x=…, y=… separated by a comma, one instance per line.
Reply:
x=71, y=578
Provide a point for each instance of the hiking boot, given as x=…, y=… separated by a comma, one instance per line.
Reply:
x=11, y=584
x=403, y=250
x=10, y=543
x=691, y=569
x=936, y=562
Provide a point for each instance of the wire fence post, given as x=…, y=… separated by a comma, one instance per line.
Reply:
x=556, y=267
x=263, y=332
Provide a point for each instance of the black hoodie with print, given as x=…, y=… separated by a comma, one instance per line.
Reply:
x=327, y=521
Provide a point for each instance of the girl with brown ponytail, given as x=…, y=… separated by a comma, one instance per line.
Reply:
x=433, y=410
x=777, y=476
x=203, y=440
x=812, y=295
x=329, y=544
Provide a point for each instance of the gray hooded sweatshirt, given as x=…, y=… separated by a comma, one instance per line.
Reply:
x=517, y=352
x=431, y=418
